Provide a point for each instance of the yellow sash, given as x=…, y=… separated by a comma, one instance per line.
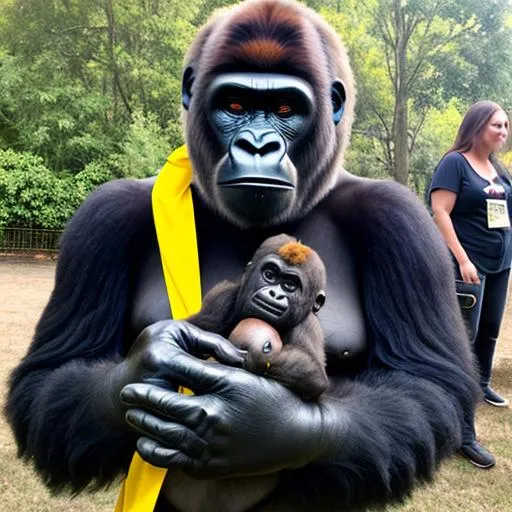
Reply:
x=173, y=213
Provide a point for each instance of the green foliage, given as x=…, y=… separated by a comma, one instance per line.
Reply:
x=55, y=118
x=73, y=73
x=437, y=136
x=145, y=148
x=418, y=56
x=31, y=195
x=93, y=175
x=91, y=91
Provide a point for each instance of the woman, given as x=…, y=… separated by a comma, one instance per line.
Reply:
x=471, y=199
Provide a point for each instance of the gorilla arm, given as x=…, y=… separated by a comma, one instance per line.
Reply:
x=365, y=441
x=52, y=404
x=63, y=401
x=217, y=308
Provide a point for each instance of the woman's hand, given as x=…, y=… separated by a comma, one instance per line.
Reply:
x=469, y=272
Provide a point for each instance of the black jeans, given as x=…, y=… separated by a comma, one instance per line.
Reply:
x=494, y=299
x=495, y=287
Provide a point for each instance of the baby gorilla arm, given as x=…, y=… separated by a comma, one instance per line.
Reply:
x=301, y=364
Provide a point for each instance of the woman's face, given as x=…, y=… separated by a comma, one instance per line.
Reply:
x=494, y=134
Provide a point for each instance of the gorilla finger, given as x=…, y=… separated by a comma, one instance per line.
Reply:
x=174, y=406
x=169, y=434
x=196, y=374
x=206, y=343
x=162, y=457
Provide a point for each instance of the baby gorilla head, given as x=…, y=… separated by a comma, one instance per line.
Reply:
x=282, y=284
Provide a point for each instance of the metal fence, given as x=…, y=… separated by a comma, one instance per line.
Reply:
x=29, y=240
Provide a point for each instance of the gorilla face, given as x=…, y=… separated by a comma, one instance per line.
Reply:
x=275, y=292
x=261, y=123
x=258, y=119
x=268, y=97
x=278, y=292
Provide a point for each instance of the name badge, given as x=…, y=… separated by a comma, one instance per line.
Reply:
x=497, y=214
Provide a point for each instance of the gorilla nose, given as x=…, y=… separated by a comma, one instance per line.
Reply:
x=266, y=144
x=257, y=149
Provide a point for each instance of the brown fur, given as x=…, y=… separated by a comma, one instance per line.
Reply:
x=295, y=253
x=264, y=52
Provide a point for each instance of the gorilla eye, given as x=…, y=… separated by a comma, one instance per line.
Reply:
x=284, y=110
x=269, y=275
x=290, y=285
x=267, y=347
x=236, y=107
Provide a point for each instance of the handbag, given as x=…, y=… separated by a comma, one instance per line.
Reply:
x=469, y=296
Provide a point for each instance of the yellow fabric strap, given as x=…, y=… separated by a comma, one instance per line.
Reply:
x=173, y=212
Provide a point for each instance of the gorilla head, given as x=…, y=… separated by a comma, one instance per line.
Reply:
x=268, y=97
x=283, y=284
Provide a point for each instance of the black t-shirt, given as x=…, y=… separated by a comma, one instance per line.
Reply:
x=490, y=250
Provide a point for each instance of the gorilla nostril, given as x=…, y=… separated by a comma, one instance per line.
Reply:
x=246, y=146
x=249, y=147
x=271, y=147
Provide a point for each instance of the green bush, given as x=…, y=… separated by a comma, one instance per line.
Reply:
x=32, y=196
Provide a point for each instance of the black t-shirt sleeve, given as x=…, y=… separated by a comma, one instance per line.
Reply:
x=448, y=174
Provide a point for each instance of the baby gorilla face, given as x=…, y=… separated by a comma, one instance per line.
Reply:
x=275, y=293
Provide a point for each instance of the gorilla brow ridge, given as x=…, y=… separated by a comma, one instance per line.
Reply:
x=267, y=51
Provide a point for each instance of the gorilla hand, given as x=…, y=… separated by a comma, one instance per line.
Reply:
x=158, y=351
x=237, y=424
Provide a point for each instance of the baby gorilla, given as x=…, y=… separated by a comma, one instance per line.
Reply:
x=270, y=313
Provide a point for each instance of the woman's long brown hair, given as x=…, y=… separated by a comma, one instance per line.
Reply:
x=474, y=120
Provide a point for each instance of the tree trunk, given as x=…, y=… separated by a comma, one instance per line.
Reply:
x=400, y=121
x=117, y=86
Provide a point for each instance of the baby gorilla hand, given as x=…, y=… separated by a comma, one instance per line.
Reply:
x=237, y=424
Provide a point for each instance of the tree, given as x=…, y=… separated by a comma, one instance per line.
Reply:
x=74, y=73
x=406, y=53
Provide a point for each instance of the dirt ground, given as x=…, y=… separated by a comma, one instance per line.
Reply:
x=25, y=286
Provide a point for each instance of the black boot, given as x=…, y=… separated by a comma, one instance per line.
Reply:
x=484, y=348
x=477, y=455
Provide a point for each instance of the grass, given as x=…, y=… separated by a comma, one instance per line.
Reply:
x=458, y=486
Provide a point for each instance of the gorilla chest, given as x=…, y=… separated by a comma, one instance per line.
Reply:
x=224, y=252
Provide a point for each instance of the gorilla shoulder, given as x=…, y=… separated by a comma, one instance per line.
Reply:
x=374, y=198
x=119, y=211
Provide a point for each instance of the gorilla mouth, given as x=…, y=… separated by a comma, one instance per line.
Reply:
x=257, y=182
x=267, y=307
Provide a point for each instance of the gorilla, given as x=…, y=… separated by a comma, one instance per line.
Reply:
x=281, y=287
x=268, y=99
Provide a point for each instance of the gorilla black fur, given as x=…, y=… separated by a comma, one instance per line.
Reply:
x=401, y=391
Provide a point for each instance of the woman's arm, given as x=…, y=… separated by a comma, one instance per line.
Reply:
x=443, y=202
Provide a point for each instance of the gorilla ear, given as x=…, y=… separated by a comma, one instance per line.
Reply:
x=186, y=87
x=338, y=98
x=319, y=301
